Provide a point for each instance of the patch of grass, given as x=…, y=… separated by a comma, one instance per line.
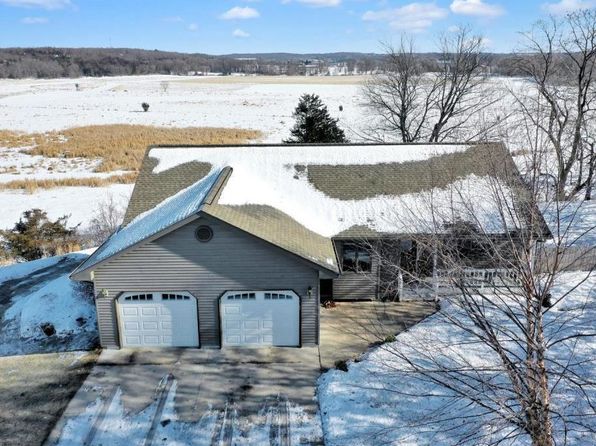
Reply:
x=31, y=185
x=120, y=146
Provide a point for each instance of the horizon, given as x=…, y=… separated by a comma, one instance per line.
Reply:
x=267, y=26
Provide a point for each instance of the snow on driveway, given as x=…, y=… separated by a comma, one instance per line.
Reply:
x=108, y=423
x=374, y=403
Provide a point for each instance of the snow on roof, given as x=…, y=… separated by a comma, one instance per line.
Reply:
x=266, y=175
x=172, y=210
x=271, y=158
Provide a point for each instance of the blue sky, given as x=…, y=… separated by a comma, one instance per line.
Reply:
x=229, y=26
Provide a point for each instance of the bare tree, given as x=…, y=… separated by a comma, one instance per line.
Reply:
x=413, y=105
x=559, y=59
x=497, y=268
x=106, y=220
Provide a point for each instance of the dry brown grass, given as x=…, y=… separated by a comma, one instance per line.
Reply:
x=120, y=146
x=31, y=185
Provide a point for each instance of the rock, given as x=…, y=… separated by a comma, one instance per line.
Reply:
x=48, y=329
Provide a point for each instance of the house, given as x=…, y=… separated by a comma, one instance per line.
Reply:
x=237, y=245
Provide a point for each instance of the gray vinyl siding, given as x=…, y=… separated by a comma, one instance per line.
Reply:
x=232, y=260
x=106, y=321
x=351, y=285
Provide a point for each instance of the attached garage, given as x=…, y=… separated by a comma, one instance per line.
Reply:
x=260, y=318
x=158, y=319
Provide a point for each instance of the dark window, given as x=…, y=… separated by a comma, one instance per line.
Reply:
x=204, y=233
x=355, y=258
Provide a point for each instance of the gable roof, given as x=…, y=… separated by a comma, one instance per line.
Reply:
x=300, y=197
x=169, y=212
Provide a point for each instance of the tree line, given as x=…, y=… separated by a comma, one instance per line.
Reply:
x=49, y=62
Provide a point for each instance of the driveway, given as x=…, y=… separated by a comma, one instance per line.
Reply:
x=350, y=328
x=196, y=397
x=223, y=397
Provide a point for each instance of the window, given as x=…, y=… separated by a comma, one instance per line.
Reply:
x=138, y=297
x=355, y=258
x=174, y=297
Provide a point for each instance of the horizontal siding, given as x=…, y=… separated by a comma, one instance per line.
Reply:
x=232, y=260
x=106, y=321
x=356, y=286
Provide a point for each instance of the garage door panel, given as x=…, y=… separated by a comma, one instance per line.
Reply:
x=151, y=311
x=233, y=324
x=129, y=311
x=268, y=318
x=168, y=322
x=130, y=326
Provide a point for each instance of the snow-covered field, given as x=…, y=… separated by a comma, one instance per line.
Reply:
x=378, y=402
x=45, y=105
x=42, y=105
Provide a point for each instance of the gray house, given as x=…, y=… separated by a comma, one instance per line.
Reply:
x=237, y=245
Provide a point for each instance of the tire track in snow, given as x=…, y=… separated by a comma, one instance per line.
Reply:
x=100, y=417
x=163, y=388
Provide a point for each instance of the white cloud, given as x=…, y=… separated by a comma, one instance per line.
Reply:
x=240, y=34
x=476, y=8
x=413, y=17
x=240, y=13
x=317, y=3
x=193, y=27
x=565, y=6
x=34, y=20
x=43, y=4
x=453, y=29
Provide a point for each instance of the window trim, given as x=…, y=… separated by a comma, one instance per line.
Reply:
x=358, y=250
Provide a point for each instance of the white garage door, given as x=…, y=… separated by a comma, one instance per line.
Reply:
x=260, y=318
x=161, y=319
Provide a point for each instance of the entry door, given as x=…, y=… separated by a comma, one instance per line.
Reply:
x=260, y=318
x=158, y=319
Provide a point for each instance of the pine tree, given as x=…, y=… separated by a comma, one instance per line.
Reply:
x=314, y=124
x=35, y=236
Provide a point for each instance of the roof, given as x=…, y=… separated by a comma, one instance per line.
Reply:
x=170, y=211
x=300, y=197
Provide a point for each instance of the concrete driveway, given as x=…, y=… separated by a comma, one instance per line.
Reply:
x=196, y=397
x=350, y=328
x=223, y=397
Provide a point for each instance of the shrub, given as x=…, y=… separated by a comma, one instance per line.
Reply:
x=35, y=236
x=390, y=338
x=145, y=106
x=314, y=124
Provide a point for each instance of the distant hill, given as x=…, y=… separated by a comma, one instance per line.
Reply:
x=50, y=62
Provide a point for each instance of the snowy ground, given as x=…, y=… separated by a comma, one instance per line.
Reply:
x=80, y=203
x=42, y=105
x=39, y=292
x=372, y=404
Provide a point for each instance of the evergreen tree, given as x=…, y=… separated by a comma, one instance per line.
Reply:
x=35, y=236
x=314, y=124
